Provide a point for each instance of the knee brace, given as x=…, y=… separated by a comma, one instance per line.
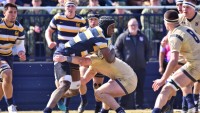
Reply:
x=75, y=85
x=4, y=67
x=173, y=84
x=66, y=78
x=95, y=85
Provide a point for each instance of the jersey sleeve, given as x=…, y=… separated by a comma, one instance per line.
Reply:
x=175, y=42
x=53, y=22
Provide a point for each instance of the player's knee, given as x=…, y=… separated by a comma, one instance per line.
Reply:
x=96, y=86
x=64, y=86
x=98, y=94
x=171, y=85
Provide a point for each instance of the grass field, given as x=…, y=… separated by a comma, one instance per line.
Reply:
x=91, y=111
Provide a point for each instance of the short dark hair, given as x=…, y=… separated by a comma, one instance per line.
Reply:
x=92, y=14
x=171, y=16
x=9, y=5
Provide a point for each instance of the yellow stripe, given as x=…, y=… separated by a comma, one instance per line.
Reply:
x=103, y=45
x=77, y=38
x=67, y=45
x=84, y=53
x=95, y=48
x=66, y=19
x=7, y=39
x=88, y=34
x=13, y=28
x=6, y=52
x=68, y=30
x=6, y=46
x=100, y=31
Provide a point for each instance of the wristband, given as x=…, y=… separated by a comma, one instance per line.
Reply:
x=69, y=59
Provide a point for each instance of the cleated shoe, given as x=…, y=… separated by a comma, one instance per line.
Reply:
x=12, y=109
x=61, y=105
x=81, y=107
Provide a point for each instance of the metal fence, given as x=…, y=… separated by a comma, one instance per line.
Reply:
x=37, y=49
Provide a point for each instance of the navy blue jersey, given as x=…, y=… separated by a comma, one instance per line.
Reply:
x=84, y=43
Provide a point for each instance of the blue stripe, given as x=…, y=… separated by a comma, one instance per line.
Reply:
x=10, y=32
x=126, y=92
x=71, y=42
x=67, y=34
x=177, y=36
x=188, y=75
x=7, y=42
x=95, y=32
x=83, y=36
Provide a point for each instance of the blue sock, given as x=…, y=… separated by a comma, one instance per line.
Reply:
x=98, y=104
x=67, y=101
x=9, y=101
x=196, y=98
x=120, y=110
x=83, y=99
x=184, y=104
x=156, y=110
x=47, y=110
x=104, y=111
x=190, y=101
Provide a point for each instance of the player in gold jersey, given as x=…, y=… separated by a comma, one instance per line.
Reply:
x=188, y=16
x=122, y=81
x=185, y=41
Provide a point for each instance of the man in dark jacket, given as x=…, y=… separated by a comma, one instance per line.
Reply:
x=132, y=47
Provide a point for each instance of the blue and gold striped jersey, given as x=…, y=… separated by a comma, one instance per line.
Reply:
x=9, y=36
x=66, y=28
x=86, y=42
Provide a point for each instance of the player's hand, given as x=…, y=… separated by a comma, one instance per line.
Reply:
x=59, y=58
x=157, y=84
x=22, y=55
x=51, y=45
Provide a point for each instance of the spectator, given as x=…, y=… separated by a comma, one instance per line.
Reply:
x=60, y=4
x=121, y=17
x=92, y=3
x=152, y=26
x=35, y=27
x=133, y=48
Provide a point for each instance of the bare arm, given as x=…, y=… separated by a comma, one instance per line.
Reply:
x=89, y=74
x=48, y=36
x=74, y=60
x=108, y=54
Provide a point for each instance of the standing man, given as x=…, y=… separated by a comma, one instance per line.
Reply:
x=93, y=19
x=67, y=25
x=185, y=41
x=132, y=47
x=11, y=33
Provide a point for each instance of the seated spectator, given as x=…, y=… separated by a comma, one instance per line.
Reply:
x=23, y=2
x=35, y=27
x=92, y=3
x=60, y=4
x=122, y=16
x=152, y=25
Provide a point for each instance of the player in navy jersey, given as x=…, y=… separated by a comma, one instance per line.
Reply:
x=66, y=25
x=11, y=34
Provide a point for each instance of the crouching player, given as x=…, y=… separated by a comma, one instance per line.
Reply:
x=122, y=81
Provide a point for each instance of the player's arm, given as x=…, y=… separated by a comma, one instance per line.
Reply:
x=48, y=36
x=108, y=54
x=89, y=74
x=74, y=59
